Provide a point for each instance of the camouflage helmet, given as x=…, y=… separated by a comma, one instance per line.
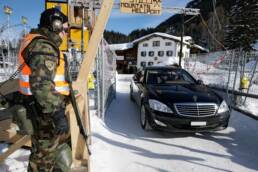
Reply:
x=53, y=19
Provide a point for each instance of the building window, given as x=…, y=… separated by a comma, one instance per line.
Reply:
x=150, y=63
x=151, y=53
x=143, y=53
x=168, y=43
x=145, y=45
x=161, y=53
x=156, y=43
x=169, y=53
x=143, y=64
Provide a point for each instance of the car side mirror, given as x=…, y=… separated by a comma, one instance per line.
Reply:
x=138, y=82
x=135, y=79
x=200, y=82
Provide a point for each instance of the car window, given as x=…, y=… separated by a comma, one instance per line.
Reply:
x=187, y=77
x=168, y=77
x=137, y=76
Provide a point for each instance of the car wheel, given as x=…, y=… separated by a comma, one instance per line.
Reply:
x=144, y=119
x=223, y=127
x=131, y=96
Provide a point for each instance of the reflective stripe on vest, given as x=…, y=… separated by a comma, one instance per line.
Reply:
x=61, y=85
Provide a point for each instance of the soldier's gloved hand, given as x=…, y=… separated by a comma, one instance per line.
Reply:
x=60, y=121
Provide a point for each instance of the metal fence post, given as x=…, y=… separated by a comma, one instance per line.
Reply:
x=98, y=83
x=103, y=81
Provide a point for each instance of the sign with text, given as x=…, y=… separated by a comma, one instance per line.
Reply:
x=152, y=7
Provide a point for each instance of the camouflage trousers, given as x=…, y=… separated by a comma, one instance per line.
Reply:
x=50, y=153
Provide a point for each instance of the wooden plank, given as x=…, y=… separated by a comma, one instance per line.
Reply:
x=14, y=147
x=5, y=124
x=79, y=169
x=9, y=87
x=79, y=155
x=79, y=151
x=17, y=137
x=11, y=135
x=6, y=136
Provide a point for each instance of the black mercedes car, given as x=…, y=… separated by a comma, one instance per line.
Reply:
x=170, y=98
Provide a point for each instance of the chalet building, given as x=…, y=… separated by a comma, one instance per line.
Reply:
x=126, y=57
x=152, y=49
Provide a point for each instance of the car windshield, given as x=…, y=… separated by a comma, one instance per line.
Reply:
x=169, y=76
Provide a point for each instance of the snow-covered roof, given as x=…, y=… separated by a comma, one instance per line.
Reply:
x=200, y=48
x=187, y=38
x=124, y=46
x=175, y=38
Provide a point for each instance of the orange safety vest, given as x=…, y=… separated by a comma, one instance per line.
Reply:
x=61, y=84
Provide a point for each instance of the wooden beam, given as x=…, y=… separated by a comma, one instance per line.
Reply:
x=79, y=151
x=6, y=136
x=22, y=141
x=10, y=86
x=5, y=124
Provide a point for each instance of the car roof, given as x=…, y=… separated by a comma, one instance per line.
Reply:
x=162, y=67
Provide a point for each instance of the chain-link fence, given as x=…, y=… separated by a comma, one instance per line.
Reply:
x=105, y=78
x=8, y=63
x=104, y=72
x=233, y=71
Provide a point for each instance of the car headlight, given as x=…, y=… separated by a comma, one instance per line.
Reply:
x=223, y=107
x=158, y=106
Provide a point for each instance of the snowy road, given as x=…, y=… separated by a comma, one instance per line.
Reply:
x=120, y=145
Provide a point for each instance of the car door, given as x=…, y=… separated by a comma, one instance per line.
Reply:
x=139, y=90
x=140, y=93
x=134, y=87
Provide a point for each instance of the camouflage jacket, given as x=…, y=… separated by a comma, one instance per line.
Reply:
x=42, y=52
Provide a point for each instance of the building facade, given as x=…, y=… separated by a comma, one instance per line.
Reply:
x=159, y=49
x=153, y=49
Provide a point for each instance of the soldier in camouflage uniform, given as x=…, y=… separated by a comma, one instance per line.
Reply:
x=42, y=81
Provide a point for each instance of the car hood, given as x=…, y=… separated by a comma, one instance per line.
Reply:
x=180, y=93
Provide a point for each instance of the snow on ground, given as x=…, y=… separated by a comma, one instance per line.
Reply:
x=119, y=143
x=219, y=77
x=16, y=162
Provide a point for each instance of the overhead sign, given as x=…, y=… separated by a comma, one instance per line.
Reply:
x=152, y=7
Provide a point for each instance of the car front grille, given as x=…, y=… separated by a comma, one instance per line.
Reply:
x=196, y=109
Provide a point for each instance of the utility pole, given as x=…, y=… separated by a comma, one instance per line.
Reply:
x=182, y=39
x=183, y=12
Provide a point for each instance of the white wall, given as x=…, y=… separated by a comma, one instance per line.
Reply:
x=175, y=47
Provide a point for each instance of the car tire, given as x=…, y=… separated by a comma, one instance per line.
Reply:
x=223, y=127
x=145, y=124
x=131, y=96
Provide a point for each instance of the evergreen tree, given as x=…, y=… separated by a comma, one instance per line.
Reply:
x=113, y=37
x=242, y=31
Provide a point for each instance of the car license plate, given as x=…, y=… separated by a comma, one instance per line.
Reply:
x=198, y=123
